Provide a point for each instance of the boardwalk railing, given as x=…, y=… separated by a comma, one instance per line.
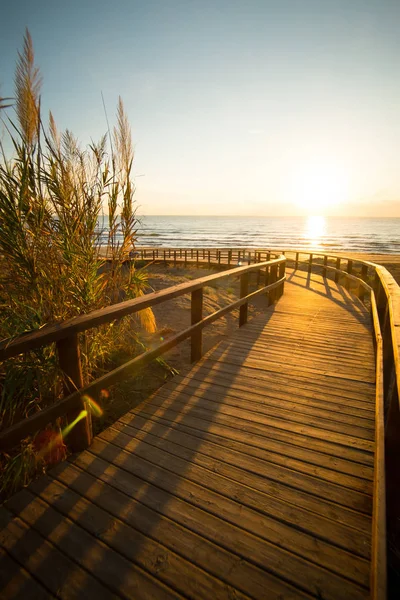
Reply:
x=76, y=403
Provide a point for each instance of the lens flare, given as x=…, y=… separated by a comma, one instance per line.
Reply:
x=49, y=447
x=95, y=408
x=70, y=426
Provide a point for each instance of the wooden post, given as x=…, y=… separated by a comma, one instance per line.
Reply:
x=258, y=277
x=296, y=263
x=209, y=259
x=325, y=263
x=338, y=267
x=349, y=271
x=197, y=315
x=364, y=277
x=244, y=290
x=310, y=263
x=229, y=257
x=191, y=253
x=174, y=258
x=197, y=259
x=80, y=435
x=185, y=263
x=272, y=279
x=282, y=267
x=154, y=255
x=165, y=260
x=204, y=254
x=266, y=280
x=268, y=255
x=259, y=257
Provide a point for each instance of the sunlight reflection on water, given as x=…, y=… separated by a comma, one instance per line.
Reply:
x=315, y=229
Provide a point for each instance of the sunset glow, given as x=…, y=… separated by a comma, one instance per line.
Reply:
x=318, y=188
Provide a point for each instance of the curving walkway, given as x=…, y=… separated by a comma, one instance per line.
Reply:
x=248, y=476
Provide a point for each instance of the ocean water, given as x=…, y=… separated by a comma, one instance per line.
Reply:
x=319, y=233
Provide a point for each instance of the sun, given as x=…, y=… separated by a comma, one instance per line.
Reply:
x=318, y=187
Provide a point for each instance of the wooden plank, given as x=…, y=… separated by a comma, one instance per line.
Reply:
x=292, y=468
x=56, y=572
x=176, y=572
x=114, y=571
x=357, y=395
x=339, y=445
x=290, y=567
x=278, y=515
x=279, y=396
x=227, y=403
x=180, y=443
x=16, y=583
x=227, y=566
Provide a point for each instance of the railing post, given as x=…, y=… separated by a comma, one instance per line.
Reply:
x=272, y=278
x=197, y=259
x=266, y=280
x=229, y=257
x=219, y=256
x=338, y=267
x=244, y=290
x=185, y=263
x=165, y=259
x=80, y=435
x=324, y=268
x=268, y=256
x=310, y=263
x=296, y=264
x=364, y=277
x=349, y=271
x=154, y=255
x=196, y=316
x=282, y=268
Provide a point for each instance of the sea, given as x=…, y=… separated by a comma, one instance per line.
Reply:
x=340, y=234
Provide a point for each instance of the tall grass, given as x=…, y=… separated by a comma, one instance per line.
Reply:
x=52, y=195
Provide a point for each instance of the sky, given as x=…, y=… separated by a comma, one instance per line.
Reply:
x=251, y=107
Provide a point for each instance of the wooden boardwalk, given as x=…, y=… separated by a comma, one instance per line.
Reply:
x=250, y=476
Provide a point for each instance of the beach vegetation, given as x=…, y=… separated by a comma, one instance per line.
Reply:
x=53, y=264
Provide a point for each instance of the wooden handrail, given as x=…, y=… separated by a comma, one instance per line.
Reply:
x=378, y=544
x=65, y=334
x=52, y=333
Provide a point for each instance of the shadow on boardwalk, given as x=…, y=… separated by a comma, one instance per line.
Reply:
x=156, y=509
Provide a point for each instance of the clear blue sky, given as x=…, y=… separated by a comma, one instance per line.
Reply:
x=236, y=107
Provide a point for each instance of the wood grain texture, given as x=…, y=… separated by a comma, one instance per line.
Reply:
x=251, y=475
